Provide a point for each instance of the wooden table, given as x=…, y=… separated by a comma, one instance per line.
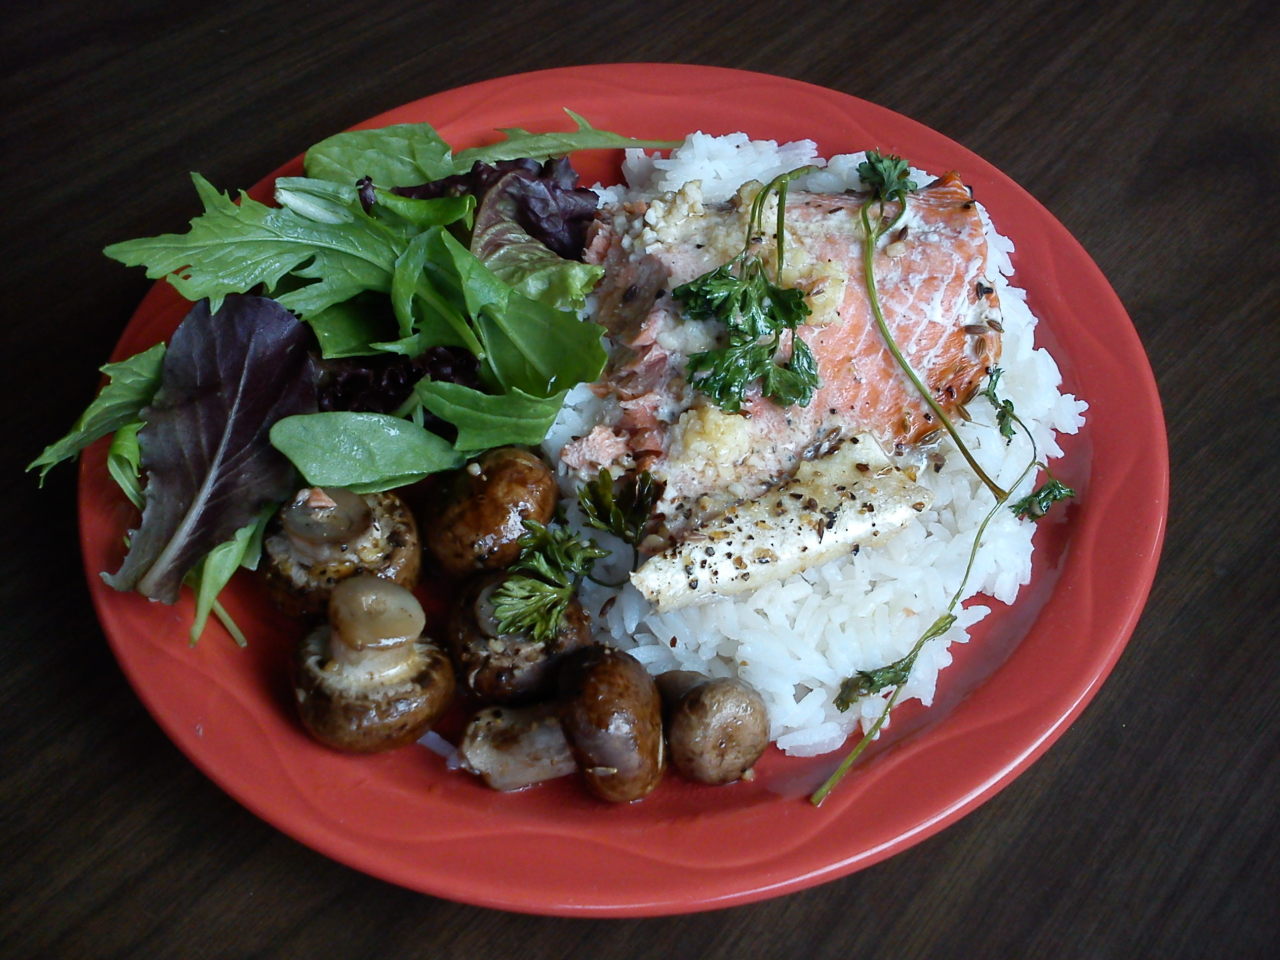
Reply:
x=1150, y=129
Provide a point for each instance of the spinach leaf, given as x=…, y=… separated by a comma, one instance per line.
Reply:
x=226, y=378
x=365, y=452
x=518, y=143
x=393, y=156
x=351, y=328
x=132, y=384
x=486, y=420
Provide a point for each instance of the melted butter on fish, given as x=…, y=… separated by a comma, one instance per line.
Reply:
x=852, y=498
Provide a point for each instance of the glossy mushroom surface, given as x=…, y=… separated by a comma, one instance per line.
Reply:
x=368, y=681
x=716, y=728
x=612, y=717
x=480, y=515
x=511, y=748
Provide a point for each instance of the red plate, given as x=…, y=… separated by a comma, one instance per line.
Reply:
x=1026, y=675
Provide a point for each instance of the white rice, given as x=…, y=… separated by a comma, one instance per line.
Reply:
x=797, y=639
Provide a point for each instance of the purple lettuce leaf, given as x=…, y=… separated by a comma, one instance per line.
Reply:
x=547, y=201
x=227, y=377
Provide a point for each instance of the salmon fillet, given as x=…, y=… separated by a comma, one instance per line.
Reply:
x=933, y=288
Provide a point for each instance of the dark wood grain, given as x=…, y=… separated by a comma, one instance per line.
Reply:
x=1152, y=130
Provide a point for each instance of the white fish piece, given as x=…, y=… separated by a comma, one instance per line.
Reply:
x=851, y=499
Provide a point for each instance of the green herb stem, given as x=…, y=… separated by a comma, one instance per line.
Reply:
x=868, y=266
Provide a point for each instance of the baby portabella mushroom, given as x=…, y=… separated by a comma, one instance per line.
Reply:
x=323, y=536
x=511, y=748
x=716, y=729
x=369, y=681
x=483, y=509
x=612, y=717
x=507, y=667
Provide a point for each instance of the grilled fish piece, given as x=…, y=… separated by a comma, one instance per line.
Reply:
x=850, y=499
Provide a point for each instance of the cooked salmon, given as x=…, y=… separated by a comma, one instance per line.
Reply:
x=933, y=288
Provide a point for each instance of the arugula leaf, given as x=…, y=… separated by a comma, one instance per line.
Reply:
x=364, y=452
x=233, y=247
x=486, y=420
x=226, y=378
x=553, y=560
x=1037, y=503
x=132, y=384
x=392, y=156
x=521, y=143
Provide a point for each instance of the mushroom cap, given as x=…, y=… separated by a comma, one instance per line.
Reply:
x=612, y=717
x=717, y=730
x=481, y=517
x=507, y=668
x=300, y=581
x=364, y=717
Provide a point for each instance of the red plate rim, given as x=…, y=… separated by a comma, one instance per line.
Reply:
x=1014, y=689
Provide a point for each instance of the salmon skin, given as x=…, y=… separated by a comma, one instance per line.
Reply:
x=934, y=291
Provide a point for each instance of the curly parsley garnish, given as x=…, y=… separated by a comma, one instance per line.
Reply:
x=1037, y=503
x=622, y=508
x=756, y=309
x=552, y=562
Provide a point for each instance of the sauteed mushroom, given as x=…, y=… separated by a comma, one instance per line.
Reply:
x=612, y=717
x=323, y=536
x=716, y=729
x=484, y=507
x=507, y=667
x=511, y=748
x=368, y=681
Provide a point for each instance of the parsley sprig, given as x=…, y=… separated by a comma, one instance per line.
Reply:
x=622, y=508
x=756, y=309
x=887, y=177
x=553, y=560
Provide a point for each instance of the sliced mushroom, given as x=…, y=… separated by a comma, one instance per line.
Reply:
x=323, y=536
x=481, y=515
x=507, y=667
x=612, y=717
x=511, y=748
x=716, y=728
x=368, y=681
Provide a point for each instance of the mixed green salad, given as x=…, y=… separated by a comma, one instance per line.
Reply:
x=401, y=308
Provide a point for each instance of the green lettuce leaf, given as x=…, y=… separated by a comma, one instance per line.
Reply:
x=133, y=382
x=124, y=462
